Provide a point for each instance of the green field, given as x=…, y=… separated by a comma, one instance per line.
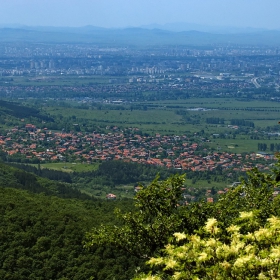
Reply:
x=69, y=167
x=237, y=146
x=163, y=115
x=151, y=121
x=218, y=103
x=177, y=117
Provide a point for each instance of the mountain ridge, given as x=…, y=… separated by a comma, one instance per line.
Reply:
x=134, y=36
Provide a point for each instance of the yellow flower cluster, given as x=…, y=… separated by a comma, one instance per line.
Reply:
x=254, y=255
x=179, y=236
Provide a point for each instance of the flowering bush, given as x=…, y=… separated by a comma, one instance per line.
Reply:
x=242, y=245
x=244, y=255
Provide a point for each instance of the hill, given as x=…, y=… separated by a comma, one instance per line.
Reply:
x=134, y=36
x=11, y=177
x=13, y=110
x=42, y=235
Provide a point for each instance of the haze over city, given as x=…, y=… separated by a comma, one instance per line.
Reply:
x=157, y=13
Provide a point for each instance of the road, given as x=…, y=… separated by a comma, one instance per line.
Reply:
x=255, y=82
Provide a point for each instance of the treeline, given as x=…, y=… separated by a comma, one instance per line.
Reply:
x=241, y=122
x=113, y=173
x=11, y=177
x=217, y=175
x=45, y=172
x=272, y=147
x=110, y=91
x=215, y=120
x=3, y=155
x=20, y=111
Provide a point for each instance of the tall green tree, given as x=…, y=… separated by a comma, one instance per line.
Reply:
x=160, y=211
x=251, y=255
x=239, y=239
x=145, y=230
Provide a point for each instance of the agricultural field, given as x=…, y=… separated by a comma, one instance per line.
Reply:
x=69, y=167
x=240, y=127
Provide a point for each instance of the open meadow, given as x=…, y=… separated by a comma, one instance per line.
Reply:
x=229, y=124
x=69, y=167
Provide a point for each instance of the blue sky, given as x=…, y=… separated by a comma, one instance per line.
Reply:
x=123, y=13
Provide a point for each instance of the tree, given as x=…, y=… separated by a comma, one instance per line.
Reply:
x=160, y=212
x=246, y=255
x=157, y=215
x=239, y=240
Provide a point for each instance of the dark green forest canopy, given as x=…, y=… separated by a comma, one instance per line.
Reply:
x=41, y=237
x=15, y=178
x=43, y=234
x=20, y=111
x=42, y=231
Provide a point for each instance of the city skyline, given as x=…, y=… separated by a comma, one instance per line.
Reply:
x=124, y=13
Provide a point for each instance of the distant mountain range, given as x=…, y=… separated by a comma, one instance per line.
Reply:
x=172, y=34
x=184, y=26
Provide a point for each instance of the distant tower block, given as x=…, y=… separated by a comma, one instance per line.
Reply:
x=51, y=64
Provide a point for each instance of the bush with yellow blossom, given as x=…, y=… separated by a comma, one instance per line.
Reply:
x=245, y=255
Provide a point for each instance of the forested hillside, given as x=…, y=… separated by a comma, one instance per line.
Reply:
x=19, y=111
x=16, y=178
x=49, y=230
x=43, y=234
